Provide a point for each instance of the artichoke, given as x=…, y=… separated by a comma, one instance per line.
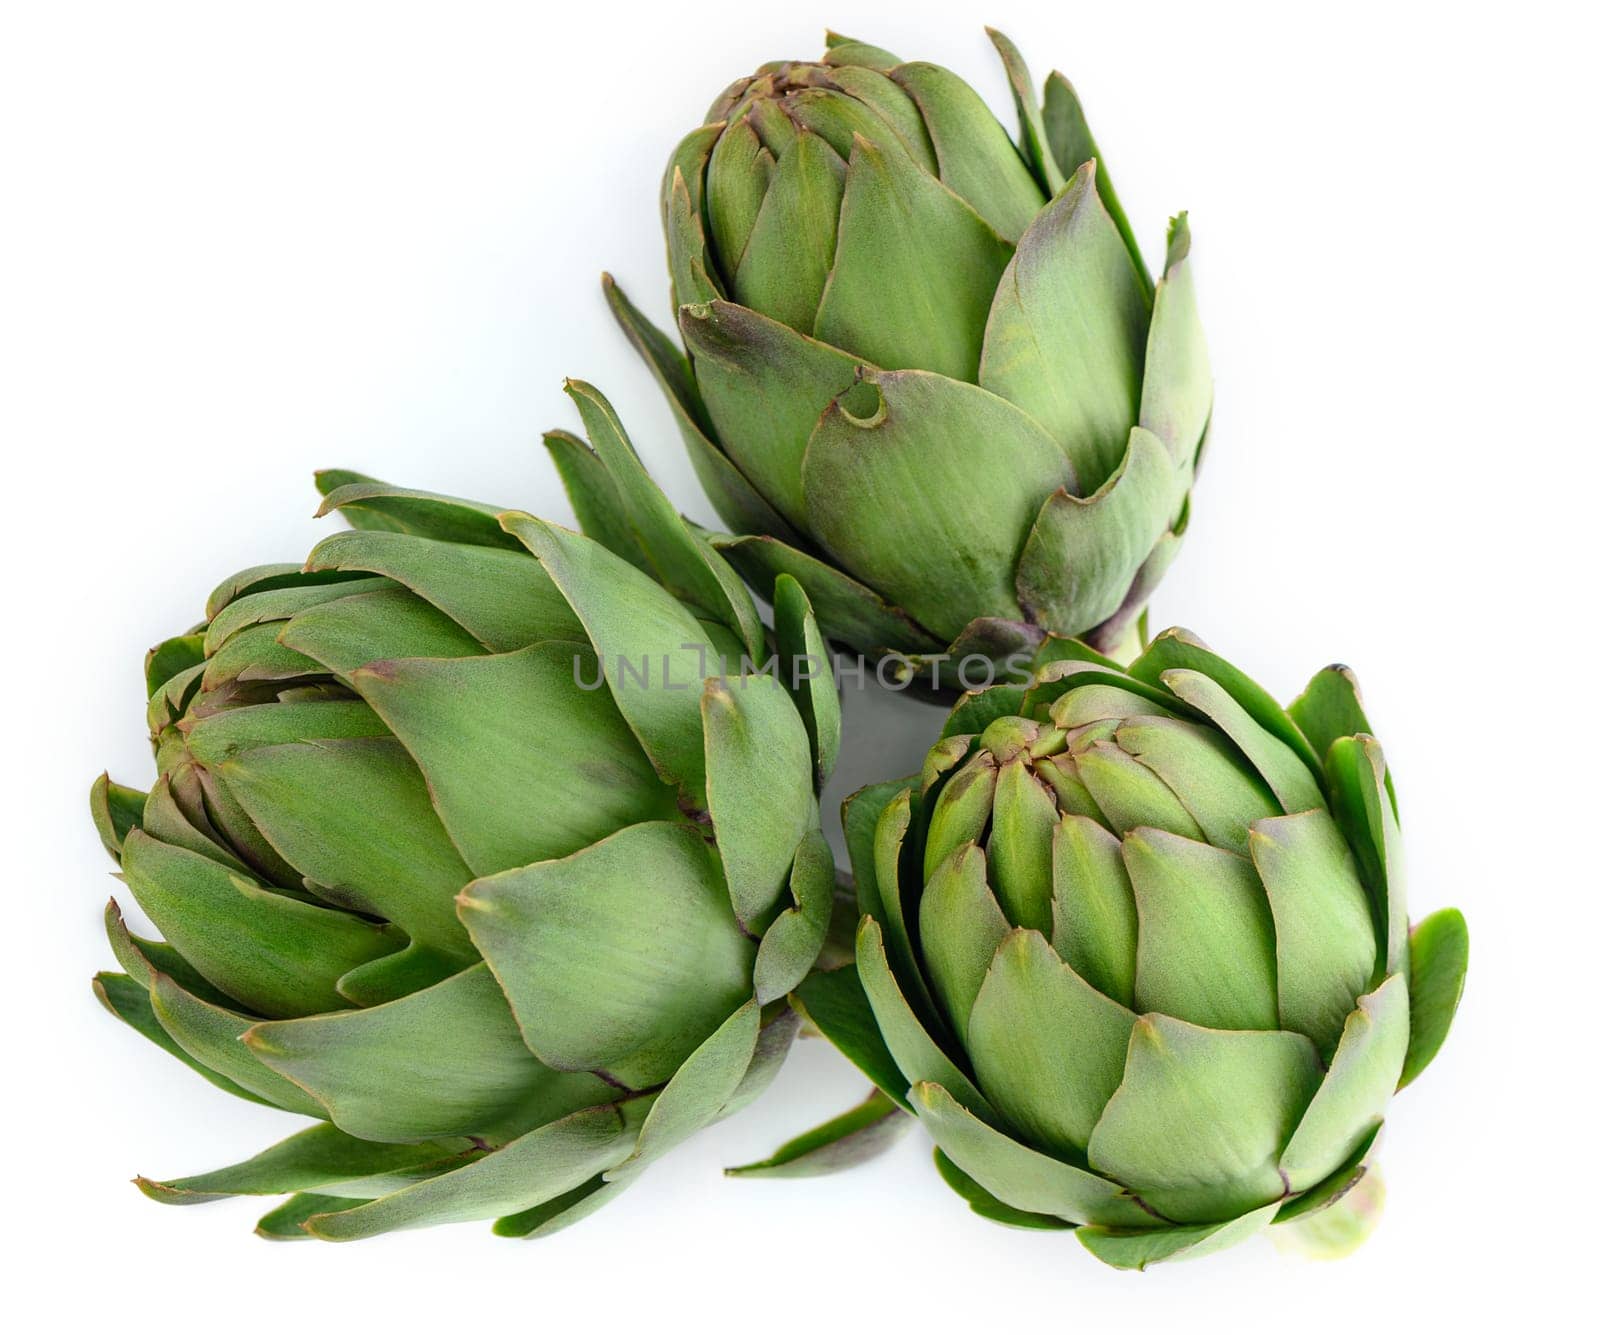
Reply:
x=1134, y=950
x=928, y=373
x=453, y=851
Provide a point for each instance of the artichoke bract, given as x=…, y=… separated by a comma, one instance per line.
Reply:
x=1134, y=950
x=928, y=373
x=459, y=846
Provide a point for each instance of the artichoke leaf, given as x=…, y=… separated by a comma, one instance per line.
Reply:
x=1095, y=922
x=523, y=760
x=1017, y=1175
x=1137, y=1249
x=1179, y=648
x=977, y=159
x=1065, y=337
x=856, y=1136
x=1205, y=949
x=371, y=504
x=545, y=1163
x=732, y=495
x=682, y=561
x=210, y=1034
x=1083, y=554
x=894, y=474
x=915, y=1052
x=278, y=956
x=1438, y=974
x=1322, y=922
x=129, y=1001
x=1292, y=782
x=758, y=789
x=846, y=609
x=1046, y=1048
x=1201, y=1115
x=699, y=1090
x=320, y=1158
x=1072, y=144
x=786, y=261
x=790, y=946
x=1035, y=143
x=445, y=1061
x=801, y=652
x=370, y=627
x=835, y=1004
x=1215, y=783
x=1175, y=403
x=1360, y=1081
x=1362, y=804
x=628, y=617
x=765, y=384
x=500, y=598
x=961, y=927
x=914, y=270
x=608, y=970
x=985, y=1204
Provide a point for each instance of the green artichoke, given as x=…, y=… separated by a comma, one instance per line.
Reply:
x=453, y=850
x=928, y=373
x=1134, y=949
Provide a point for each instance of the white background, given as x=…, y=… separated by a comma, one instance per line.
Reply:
x=240, y=242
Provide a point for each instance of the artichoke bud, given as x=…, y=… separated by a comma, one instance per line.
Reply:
x=1136, y=976
x=928, y=372
x=458, y=846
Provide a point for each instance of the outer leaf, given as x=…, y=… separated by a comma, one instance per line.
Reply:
x=895, y=474
x=320, y=1158
x=1065, y=337
x=543, y=1164
x=915, y=1052
x=1205, y=950
x=524, y=760
x=1197, y=1126
x=276, y=955
x=1176, y=401
x=444, y=1061
x=630, y=619
x=914, y=271
x=986, y=1205
x=1349, y=1106
x=836, y=1005
x=1073, y=145
x=700, y=1089
x=765, y=385
x=1046, y=1047
x=1019, y=1176
x=500, y=597
x=1083, y=555
x=130, y=1003
x=682, y=560
x=758, y=787
x=976, y=157
x=847, y=609
x=807, y=675
x=426, y=514
x=1035, y=143
x=623, y=957
x=733, y=497
x=1136, y=1249
x=1322, y=922
x=851, y=1138
x=1438, y=974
